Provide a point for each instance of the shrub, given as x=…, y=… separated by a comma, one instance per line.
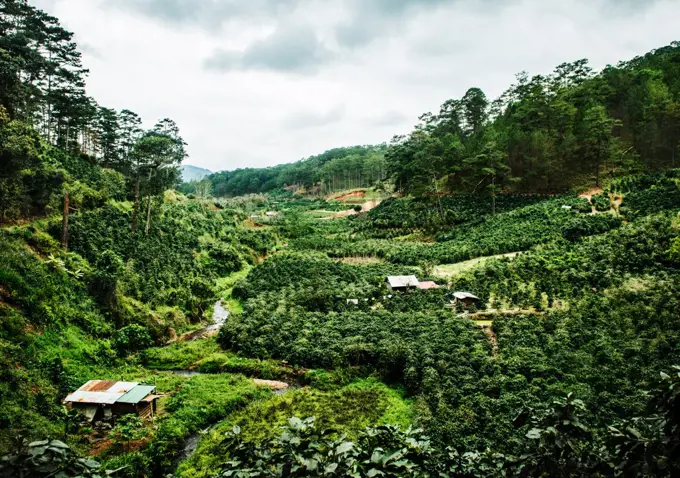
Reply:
x=601, y=202
x=131, y=339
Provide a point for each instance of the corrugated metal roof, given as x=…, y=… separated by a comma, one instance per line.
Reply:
x=97, y=386
x=137, y=394
x=102, y=398
x=101, y=392
x=150, y=398
x=428, y=285
x=108, y=386
x=402, y=281
x=464, y=295
x=123, y=387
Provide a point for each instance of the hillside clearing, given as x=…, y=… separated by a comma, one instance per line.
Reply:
x=451, y=270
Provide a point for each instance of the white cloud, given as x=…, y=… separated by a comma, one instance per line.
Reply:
x=406, y=58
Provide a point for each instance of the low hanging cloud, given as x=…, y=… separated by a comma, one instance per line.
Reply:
x=294, y=48
x=389, y=118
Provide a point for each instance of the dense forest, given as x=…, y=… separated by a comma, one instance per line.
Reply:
x=260, y=314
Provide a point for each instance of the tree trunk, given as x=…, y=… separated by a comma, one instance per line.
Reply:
x=135, y=212
x=64, y=222
x=493, y=195
x=148, y=216
x=439, y=198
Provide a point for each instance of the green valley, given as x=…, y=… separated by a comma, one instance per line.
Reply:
x=494, y=294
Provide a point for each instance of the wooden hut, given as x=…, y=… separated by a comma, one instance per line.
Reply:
x=402, y=283
x=99, y=399
x=466, y=298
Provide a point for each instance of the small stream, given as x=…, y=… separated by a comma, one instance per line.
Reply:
x=220, y=316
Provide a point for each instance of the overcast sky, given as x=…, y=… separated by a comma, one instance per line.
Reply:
x=255, y=83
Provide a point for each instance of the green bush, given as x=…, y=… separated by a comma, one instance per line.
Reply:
x=132, y=338
x=601, y=202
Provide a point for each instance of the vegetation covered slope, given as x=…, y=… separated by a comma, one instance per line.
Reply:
x=102, y=263
x=586, y=310
x=334, y=170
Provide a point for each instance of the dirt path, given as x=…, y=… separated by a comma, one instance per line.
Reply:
x=365, y=207
x=589, y=196
x=590, y=193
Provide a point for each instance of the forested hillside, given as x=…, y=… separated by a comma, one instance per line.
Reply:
x=546, y=133
x=540, y=336
x=334, y=170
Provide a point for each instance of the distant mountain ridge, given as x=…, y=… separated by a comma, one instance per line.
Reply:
x=193, y=173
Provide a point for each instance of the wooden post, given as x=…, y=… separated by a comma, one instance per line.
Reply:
x=64, y=222
x=148, y=216
x=135, y=211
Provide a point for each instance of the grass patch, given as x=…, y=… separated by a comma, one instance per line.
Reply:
x=234, y=306
x=346, y=410
x=230, y=363
x=206, y=356
x=451, y=270
x=179, y=355
x=361, y=260
x=225, y=284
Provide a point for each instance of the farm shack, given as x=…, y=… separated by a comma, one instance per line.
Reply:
x=99, y=399
x=466, y=298
x=402, y=283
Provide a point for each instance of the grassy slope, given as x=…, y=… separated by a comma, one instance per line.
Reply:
x=451, y=270
x=345, y=410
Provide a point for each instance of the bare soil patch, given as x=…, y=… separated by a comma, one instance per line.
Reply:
x=352, y=195
x=590, y=193
x=365, y=207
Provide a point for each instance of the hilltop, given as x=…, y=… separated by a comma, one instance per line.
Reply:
x=193, y=173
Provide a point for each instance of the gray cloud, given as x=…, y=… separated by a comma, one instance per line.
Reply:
x=312, y=119
x=210, y=14
x=370, y=20
x=291, y=48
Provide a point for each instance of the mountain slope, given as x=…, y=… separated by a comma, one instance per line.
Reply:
x=193, y=173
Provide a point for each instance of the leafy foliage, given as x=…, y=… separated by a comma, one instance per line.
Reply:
x=48, y=458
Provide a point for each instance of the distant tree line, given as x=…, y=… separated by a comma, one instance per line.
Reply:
x=335, y=170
